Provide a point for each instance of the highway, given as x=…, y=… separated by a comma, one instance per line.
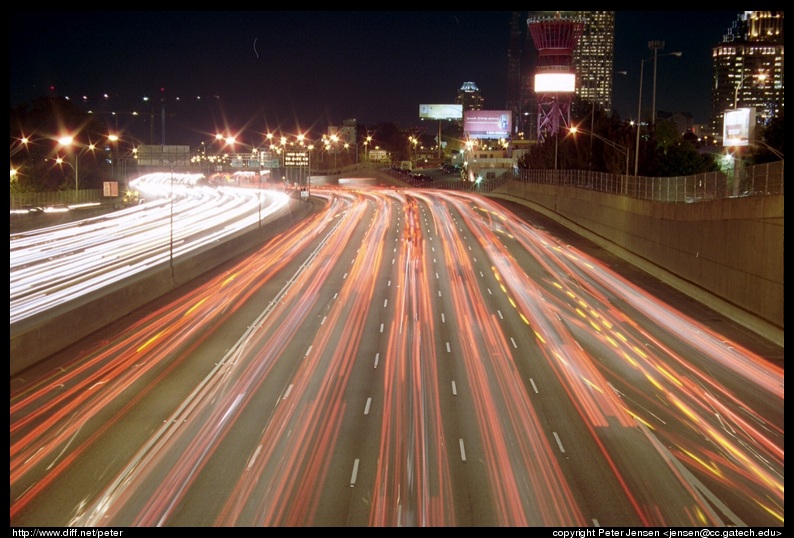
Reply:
x=56, y=265
x=404, y=357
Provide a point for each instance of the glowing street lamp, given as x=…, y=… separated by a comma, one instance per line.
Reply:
x=68, y=141
x=760, y=77
x=114, y=139
x=413, y=140
x=334, y=140
x=367, y=144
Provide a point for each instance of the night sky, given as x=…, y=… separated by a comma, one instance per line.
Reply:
x=282, y=70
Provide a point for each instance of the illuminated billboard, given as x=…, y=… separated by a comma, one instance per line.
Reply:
x=555, y=82
x=441, y=112
x=487, y=123
x=738, y=126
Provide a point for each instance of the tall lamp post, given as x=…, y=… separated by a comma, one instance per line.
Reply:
x=68, y=141
x=738, y=150
x=606, y=141
x=556, y=141
x=367, y=143
x=655, y=45
x=334, y=139
x=171, y=223
x=414, y=141
x=310, y=149
x=593, y=95
x=114, y=139
x=759, y=76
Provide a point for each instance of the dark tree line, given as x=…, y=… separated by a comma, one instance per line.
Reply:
x=663, y=151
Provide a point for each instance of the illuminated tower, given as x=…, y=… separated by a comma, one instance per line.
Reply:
x=555, y=80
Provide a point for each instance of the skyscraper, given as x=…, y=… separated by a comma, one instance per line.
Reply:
x=594, y=57
x=748, y=67
x=521, y=98
x=470, y=97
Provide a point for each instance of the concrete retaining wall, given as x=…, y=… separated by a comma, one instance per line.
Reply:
x=726, y=253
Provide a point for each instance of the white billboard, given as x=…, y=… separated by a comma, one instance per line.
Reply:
x=487, y=123
x=441, y=112
x=738, y=126
x=555, y=83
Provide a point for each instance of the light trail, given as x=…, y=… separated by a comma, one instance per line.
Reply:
x=565, y=380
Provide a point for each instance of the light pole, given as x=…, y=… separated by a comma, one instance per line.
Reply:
x=608, y=142
x=653, y=45
x=259, y=194
x=556, y=140
x=171, y=223
x=413, y=140
x=68, y=141
x=334, y=139
x=310, y=149
x=760, y=76
x=592, y=114
x=114, y=139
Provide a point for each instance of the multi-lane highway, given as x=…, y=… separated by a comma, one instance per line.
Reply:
x=402, y=358
x=53, y=266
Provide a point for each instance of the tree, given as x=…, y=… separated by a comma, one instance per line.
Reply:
x=771, y=136
x=683, y=159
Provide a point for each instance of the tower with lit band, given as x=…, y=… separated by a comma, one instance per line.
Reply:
x=555, y=80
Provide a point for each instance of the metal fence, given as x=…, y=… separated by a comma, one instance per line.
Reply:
x=23, y=200
x=758, y=180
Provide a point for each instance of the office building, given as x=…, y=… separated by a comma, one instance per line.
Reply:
x=470, y=97
x=748, y=67
x=594, y=57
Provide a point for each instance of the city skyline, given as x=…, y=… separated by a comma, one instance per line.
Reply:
x=279, y=70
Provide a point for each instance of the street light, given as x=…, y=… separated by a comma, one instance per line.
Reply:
x=769, y=148
x=171, y=223
x=592, y=114
x=556, y=140
x=413, y=140
x=310, y=148
x=760, y=76
x=334, y=139
x=367, y=143
x=655, y=45
x=606, y=141
x=67, y=141
x=114, y=138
